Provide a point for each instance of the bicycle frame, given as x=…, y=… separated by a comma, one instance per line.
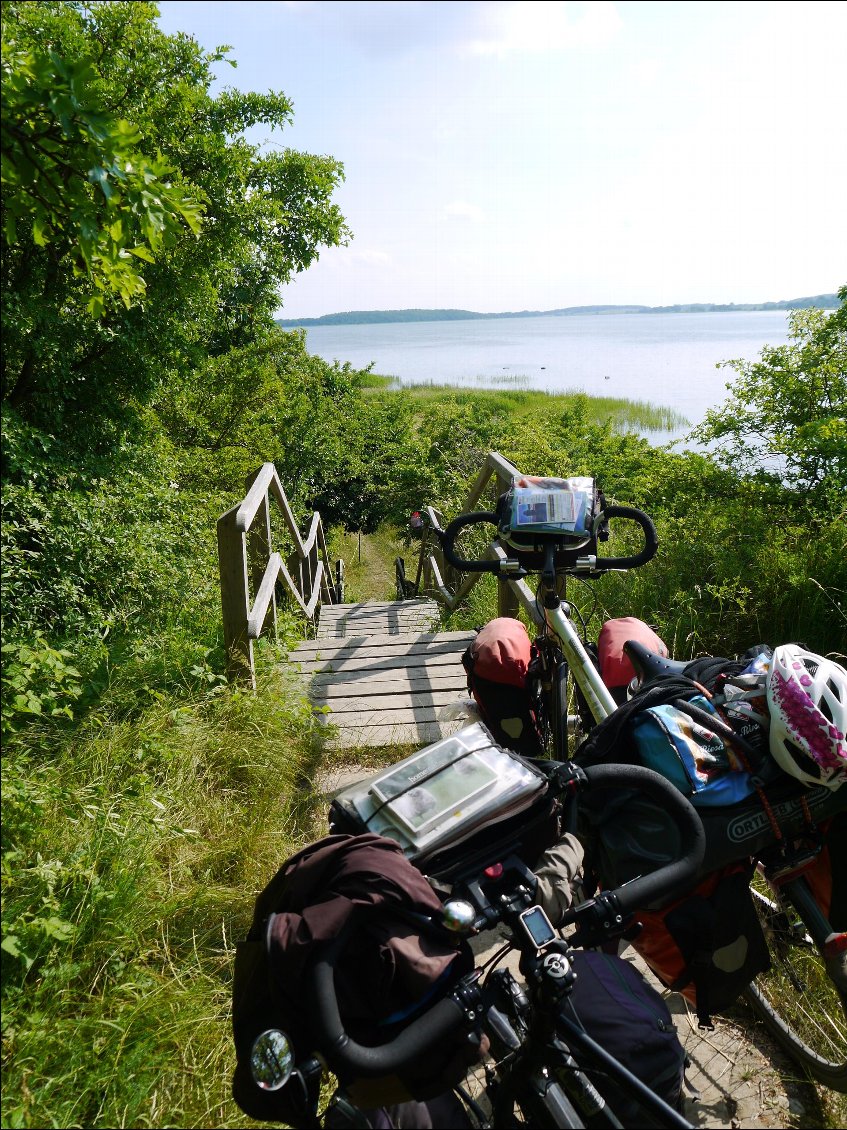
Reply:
x=585, y=674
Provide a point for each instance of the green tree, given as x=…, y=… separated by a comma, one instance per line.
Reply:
x=111, y=288
x=788, y=410
x=74, y=180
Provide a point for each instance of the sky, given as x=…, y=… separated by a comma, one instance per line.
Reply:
x=529, y=156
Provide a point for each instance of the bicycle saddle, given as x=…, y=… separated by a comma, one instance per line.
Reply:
x=649, y=665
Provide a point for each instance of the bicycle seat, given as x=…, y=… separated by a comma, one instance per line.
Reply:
x=649, y=665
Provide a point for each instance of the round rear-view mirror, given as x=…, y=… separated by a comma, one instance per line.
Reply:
x=271, y=1060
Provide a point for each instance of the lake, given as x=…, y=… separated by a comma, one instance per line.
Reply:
x=666, y=359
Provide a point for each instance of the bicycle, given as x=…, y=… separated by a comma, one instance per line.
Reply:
x=562, y=651
x=545, y=1071
x=796, y=929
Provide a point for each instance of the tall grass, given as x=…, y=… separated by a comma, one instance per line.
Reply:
x=518, y=401
x=131, y=856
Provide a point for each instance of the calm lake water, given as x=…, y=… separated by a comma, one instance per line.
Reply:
x=666, y=359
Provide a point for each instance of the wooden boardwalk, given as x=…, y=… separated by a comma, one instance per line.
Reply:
x=384, y=674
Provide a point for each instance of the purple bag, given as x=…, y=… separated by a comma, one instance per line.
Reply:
x=615, y=1006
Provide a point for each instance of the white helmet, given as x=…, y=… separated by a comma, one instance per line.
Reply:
x=807, y=699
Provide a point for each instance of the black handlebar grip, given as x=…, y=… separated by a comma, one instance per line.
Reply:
x=447, y=537
x=347, y=1058
x=651, y=541
x=677, y=877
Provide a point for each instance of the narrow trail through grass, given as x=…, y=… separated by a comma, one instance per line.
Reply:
x=369, y=562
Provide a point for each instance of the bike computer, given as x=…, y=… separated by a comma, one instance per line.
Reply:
x=538, y=927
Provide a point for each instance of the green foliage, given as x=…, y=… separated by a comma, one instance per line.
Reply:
x=38, y=681
x=76, y=74
x=75, y=181
x=789, y=409
x=100, y=547
x=130, y=856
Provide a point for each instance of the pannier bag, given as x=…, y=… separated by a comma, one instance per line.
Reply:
x=615, y=666
x=390, y=970
x=708, y=945
x=827, y=874
x=497, y=664
x=615, y=1006
x=534, y=508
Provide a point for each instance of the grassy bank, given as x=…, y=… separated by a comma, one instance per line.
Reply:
x=623, y=415
x=131, y=853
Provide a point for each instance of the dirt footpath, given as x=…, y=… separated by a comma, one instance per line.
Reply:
x=738, y=1076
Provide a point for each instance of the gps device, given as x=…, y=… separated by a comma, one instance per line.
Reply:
x=537, y=926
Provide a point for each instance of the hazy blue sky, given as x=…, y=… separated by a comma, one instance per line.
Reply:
x=510, y=156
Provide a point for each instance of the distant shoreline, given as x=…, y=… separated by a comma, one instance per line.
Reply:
x=375, y=317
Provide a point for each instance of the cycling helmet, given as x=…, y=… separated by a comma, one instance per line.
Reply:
x=807, y=699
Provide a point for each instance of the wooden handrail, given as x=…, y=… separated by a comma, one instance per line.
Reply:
x=436, y=577
x=247, y=560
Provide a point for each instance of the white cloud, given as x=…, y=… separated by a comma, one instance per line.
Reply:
x=535, y=26
x=359, y=259
x=465, y=211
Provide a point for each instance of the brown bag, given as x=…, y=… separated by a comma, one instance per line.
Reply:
x=388, y=968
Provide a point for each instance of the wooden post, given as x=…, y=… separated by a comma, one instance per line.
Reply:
x=235, y=600
x=507, y=600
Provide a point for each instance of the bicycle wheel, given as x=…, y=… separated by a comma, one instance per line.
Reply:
x=551, y=706
x=796, y=1000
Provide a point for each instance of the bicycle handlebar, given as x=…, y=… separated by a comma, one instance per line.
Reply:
x=651, y=540
x=348, y=1058
x=672, y=879
x=344, y=1055
x=448, y=536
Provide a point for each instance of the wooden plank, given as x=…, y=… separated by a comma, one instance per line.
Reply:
x=412, y=644
x=345, y=612
x=419, y=734
x=381, y=716
x=380, y=628
x=385, y=663
x=370, y=608
x=371, y=655
x=387, y=702
x=417, y=600
x=384, y=682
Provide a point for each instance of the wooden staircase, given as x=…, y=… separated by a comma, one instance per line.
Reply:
x=384, y=674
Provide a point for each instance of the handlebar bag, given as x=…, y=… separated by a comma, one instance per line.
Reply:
x=535, y=509
x=443, y=796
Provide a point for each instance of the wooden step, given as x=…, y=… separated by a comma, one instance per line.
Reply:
x=383, y=674
x=392, y=617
